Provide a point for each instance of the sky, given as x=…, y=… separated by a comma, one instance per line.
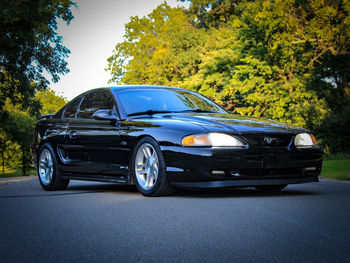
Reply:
x=98, y=25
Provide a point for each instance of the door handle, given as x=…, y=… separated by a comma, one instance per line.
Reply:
x=73, y=135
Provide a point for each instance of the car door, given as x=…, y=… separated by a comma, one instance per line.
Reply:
x=92, y=145
x=66, y=156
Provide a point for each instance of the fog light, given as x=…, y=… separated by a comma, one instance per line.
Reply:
x=307, y=169
x=218, y=172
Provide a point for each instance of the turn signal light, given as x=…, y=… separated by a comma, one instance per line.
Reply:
x=198, y=140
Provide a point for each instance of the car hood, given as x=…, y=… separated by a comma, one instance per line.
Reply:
x=218, y=122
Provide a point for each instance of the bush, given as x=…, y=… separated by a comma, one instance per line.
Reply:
x=334, y=133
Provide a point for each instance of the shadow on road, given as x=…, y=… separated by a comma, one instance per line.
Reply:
x=196, y=193
x=238, y=192
x=56, y=193
x=181, y=192
x=104, y=188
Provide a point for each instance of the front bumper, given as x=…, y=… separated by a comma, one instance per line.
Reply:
x=246, y=183
x=218, y=167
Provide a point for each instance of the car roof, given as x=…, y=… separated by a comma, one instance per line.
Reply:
x=122, y=87
x=125, y=87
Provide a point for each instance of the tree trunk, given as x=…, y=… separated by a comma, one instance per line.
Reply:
x=3, y=160
x=23, y=162
x=347, y=91
x=3, y=148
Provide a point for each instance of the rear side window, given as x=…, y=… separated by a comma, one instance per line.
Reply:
x=92, y=102
x=72, y=108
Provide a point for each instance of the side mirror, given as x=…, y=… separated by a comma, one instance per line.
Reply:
x=104, y=115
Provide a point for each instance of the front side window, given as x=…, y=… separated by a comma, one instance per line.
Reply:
x=92, y=102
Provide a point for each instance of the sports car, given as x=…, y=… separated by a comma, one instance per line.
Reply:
x=160, y=138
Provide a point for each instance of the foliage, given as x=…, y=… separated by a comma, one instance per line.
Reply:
x=19, y=127
x=161, y=48
x=9, y=152
x=50, y=101
x=16, y=133
x=212, y=13
x=337, y=156
x=30, y=46
x=30, y=50
x=335, y=131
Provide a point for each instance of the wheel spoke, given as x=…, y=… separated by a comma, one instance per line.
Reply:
x=141, y=166
x=148, y=180
x=146, y=152
x=154, y=155
x=155, y=173
x=50, y=175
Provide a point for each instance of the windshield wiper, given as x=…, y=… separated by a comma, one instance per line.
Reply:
x=149, y=112
x=200, y=110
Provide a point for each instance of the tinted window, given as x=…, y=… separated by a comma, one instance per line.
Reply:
x=92, y=102
x=140, y=100
x=72, y=108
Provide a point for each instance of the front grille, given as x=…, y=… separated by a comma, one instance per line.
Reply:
x=270, y=172
x=262, y=173
x=269, y=140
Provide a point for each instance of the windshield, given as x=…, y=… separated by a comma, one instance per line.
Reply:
x=164, y=100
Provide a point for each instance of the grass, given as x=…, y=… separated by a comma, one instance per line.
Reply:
x=15, y=172
x=336, y=169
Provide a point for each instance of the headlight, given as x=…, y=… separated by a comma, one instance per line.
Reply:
x=304, y=140
x=212, y=139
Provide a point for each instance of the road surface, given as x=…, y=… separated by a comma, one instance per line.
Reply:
x=97, y=222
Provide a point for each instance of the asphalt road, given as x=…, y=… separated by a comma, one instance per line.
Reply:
x=95, y=222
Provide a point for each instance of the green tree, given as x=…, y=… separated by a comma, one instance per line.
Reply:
x=16, y=133
x=215, y=70
x=162, y=48
x=20, y=129
x=10, y=152
x=50, y=101
x=267, y=60
x=212, y=13
x=30, y=46
x=3, y=146
x=313, y=33
x=308, y=45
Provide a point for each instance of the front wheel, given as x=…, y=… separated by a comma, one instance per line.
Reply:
x=149, y=168
x=48, y=171
x=273, y=188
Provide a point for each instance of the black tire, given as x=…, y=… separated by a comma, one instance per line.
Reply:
x=271, y=188
x=160, y=186
x=56, y=182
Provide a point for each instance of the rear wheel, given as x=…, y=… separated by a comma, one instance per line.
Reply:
x=48, y=171
x=149, y=169
x=274, y=188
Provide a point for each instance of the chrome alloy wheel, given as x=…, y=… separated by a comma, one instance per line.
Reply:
x=45, y=166
x=146, y=166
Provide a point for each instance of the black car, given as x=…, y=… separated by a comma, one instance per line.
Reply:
x=160, y=138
